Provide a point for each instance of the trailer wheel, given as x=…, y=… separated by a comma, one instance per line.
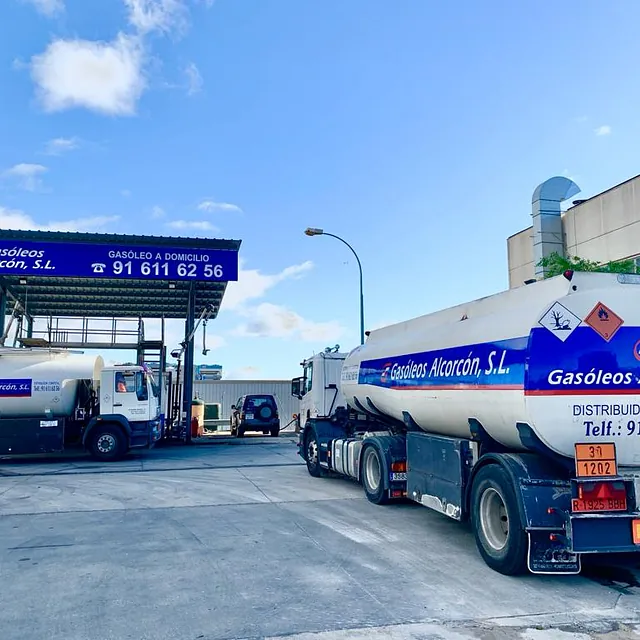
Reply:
x=107, y=443
x=497, y=526
x=373, y=476
x=311, y=455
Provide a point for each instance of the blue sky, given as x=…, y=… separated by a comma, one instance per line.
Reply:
x=417, y=130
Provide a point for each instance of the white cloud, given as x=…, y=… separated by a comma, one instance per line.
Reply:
x=157, y=15
x=47, y=8
x=211, y=205
x=16, y=219
x=158, y=212
x=275, y=321
x=125, y=193
x=26, y=174
x=604, y=130
x=252, y=284
x=58, y=146
x=192, y=225
x=105, y=77
x=194, y=79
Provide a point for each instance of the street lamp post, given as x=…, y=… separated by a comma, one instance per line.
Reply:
x=312, y=231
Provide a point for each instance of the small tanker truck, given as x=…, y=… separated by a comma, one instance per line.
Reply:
x=51, y=400
x=519, y=412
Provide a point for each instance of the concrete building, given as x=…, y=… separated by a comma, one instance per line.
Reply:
x=603, y=228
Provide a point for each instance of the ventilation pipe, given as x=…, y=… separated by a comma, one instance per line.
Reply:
x=547, y=218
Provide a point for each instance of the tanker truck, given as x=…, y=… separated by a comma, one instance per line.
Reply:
x=518, y=412
x=52, y=400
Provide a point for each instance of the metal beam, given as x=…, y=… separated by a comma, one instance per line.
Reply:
x=188, y=361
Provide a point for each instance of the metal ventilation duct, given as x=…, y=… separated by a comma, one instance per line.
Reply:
x=547, y=218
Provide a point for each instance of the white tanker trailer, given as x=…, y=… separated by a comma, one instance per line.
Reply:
x=53, y=399
x=519, y=412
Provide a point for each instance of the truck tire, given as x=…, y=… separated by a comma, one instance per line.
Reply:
x=496, y=521
x=311, y=449
x=275, y=432
x=107, y=443
x=373, y=476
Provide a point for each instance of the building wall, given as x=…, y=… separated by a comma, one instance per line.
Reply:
x=226, y=392
x=520, y=256
x=604, y=228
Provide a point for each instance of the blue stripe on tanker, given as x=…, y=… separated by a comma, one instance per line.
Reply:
x=583, y=364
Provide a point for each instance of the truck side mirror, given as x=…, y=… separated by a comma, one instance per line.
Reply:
x=296, y=388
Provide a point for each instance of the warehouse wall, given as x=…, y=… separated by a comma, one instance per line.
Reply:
x=227, y=392
x=604, y=228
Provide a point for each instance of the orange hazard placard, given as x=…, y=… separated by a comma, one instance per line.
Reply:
x=597, y=459
x=604, y=321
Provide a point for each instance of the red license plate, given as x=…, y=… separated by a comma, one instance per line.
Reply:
x=599, y=504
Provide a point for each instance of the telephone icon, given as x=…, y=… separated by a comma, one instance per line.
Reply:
x=98, y=267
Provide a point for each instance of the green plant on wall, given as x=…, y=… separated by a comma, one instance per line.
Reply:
x=554, y=264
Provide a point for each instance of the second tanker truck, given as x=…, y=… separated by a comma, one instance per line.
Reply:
x=519, y=412
x=52, y=399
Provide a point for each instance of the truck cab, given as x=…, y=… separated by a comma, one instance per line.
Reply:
x=129, y=412
x=318, y=389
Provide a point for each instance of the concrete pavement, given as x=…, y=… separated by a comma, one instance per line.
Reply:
x=236, y=540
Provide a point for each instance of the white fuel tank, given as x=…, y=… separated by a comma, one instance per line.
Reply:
x=561, y=355
x=41, y=382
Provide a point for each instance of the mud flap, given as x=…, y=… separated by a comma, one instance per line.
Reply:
x=547, y=557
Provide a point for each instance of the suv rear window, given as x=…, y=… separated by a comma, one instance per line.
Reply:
x=257, y=401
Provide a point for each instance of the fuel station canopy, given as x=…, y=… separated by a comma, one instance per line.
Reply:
x=109, y=275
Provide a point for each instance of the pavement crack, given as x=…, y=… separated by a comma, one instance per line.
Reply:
x=244, y=475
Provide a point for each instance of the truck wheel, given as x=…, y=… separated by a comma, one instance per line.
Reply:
x=372, y=476
x=240, y=431
x=107, y=443
x=275, y=432
x=497, y=526
x=311, y=451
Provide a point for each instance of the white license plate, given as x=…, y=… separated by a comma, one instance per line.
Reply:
x=398, y=476
x=249, y=416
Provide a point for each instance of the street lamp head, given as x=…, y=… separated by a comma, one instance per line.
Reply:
x=312, y=231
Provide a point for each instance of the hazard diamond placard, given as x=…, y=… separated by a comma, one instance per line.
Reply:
x=604, y=321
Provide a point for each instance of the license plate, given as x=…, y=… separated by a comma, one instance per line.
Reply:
x=249, y=416
x=398, y=477
x=599, y=504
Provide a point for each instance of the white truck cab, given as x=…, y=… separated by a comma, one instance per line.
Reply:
x=129, y=391
x=318, y=389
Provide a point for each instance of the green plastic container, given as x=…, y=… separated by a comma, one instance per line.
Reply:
x=212, y=411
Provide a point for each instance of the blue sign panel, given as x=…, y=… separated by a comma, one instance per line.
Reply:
x=489, y=365
x=20, y=388
x=40, y=259
x=585, y=363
